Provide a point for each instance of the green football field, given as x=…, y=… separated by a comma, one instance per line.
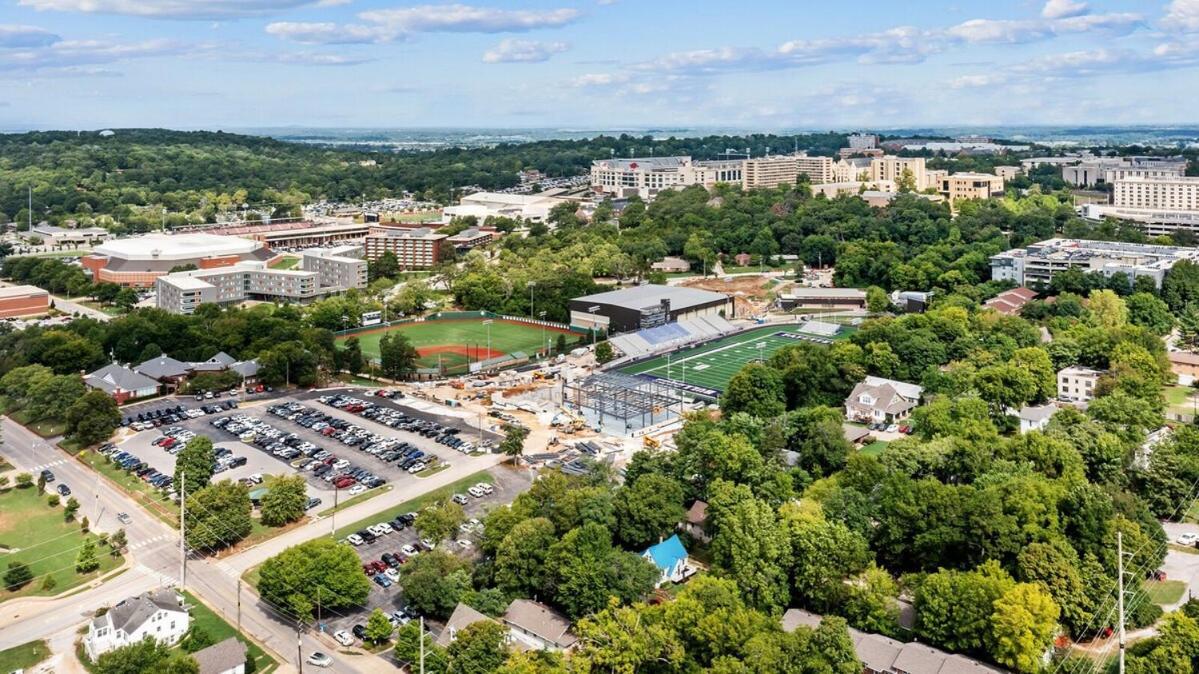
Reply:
x=453, y=343
x=713, y=364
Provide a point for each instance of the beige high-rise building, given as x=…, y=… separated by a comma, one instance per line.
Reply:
x=1170, y=194
x=887, y=168
x=970, y=186
x=817, y=169
x=770, y=172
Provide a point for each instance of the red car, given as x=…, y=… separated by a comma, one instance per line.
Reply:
x=343, y=482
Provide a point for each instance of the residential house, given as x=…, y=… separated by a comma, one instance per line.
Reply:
x=155, y=614
x=121, y=383
x=1077, y=383
x=534, y=625
x=1035, y=418
x=167, y=371
x=1010, y=302
x=884, y=655
x=856, y=435
x=218, y=363
x=879, y=400
x=462, y=616
x=248, y=369
x=225, y=657
x=1141, y=457
x=1185, y=365
x=671, y=559
x=696, y=523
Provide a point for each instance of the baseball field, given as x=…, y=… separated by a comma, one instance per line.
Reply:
x=454, y=343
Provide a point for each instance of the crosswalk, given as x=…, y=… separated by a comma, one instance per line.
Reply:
x=44, y=466
x=150, y=541
x=164, y=579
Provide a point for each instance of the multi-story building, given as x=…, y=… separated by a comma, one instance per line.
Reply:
x=23, y=301
x=817, y=169
x=483, y=205
x=322, y=271
x=862, y=141
x=471, y=238
x=1092, y=172
x=886, y=168
x=64, y=236
x=414, y=248
x=1039, y=262
x=158, y=615
x=1077, y=383
x=646, y=176
x=770, y=172
x=1167, y=194
x=966, y=185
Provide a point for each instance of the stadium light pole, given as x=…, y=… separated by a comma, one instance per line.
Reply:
x=761, y=345
x=545, y=340
x=488, y=323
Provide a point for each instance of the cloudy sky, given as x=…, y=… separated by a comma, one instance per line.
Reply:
x=596, y=63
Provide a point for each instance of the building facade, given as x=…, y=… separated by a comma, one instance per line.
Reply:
x=16, y=301
x=646, y=176
x=414, y=248
x=1077, y=383
x=957, y=186
x=1098, y=171
x=67, y=236
x=139, y=261
x=158, y=615
x=1166, y=194
x=646, y=306
x=1039, y=262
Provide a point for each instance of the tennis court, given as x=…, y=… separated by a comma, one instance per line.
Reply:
x=453, y=343
x=711, y=365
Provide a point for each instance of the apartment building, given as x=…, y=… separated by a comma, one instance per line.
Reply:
x=414, y=248
x=770, y=172
x=1039, y=262
x=817, y=169
x=1077, y=383
x=862, y=141
x=472, y=237
x=339, y=268
x=1167, y=194
x=645, y=177
x=967, y=185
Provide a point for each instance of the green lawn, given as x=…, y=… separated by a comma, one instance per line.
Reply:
x=713, y=364
x=47, y=428
x=286, y=262
x=1178, y=395
x=456, y=342
x=415, y=504
x=23, y=656
x=33, y=532
x=206, y=619
x=1165, y=592
x=150, y=498
x=875, y=448
x=342, y=504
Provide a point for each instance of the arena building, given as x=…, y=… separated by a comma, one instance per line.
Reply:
x=23, y=301
x=139, y=261
x=646, y=306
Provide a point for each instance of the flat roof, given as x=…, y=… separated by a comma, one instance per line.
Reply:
x=639, y=297
x=7, y=292
x=804, y=291
x=176, y=246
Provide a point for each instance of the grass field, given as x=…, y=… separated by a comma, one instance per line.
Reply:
x=286, y=262
x=1165, y=592
x=23, y=656
x=454, y=343
x=713, y=364
x=220, y=629
x=33, y=532
x=150, y=498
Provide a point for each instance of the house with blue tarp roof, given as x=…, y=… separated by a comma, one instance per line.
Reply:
x=671, y=559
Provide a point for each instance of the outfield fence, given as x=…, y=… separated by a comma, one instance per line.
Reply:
x=462, y=316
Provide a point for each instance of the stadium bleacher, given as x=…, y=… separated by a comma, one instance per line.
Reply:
x=661, y=338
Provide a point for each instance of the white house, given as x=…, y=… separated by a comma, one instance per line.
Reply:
x=671, y=559
x=225, y=657
x=1077, y=383
x=155, y=614
x=1035, y=418
x=879, y=400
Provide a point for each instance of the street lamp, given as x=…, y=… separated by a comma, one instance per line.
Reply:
x=591, y=310
x=544, y=338
x=488, y=323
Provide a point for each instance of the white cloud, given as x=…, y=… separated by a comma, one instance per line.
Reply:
x=1058, y=9
x=391, y=25
x=999, y=31
x=1182, y=16
x=468, y=19
x=523, y=51
x=67, y=56
x=170, y=9
x=24, y=37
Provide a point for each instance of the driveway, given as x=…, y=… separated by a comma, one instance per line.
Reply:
x=1180, y=565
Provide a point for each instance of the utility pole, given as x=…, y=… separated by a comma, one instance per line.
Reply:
x=239, y=605
x=1120, y=584
x=333, y=516
x=422, y=645
x=182, y=530
x=299, y=647
x=31, y=208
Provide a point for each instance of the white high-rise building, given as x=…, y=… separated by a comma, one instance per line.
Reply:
x=646, y=176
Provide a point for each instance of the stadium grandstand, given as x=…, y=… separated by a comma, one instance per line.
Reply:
x=671, y=336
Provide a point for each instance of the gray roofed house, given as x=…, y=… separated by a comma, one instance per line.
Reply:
x=163, y=368
x=224, y=657
x=1036, y=418
x=537, y=626
x=462, y=617
x=878, y=400
x=155, y=614
x=248, y=369
x=218, y=363
x=877, y=653
x=795, y=617
x=121, y=383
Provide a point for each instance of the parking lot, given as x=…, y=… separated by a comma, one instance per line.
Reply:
x=505, y=485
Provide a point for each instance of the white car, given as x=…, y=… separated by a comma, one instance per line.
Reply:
x=392, y=575
x=893, y=428
x=354, y=539
x=319, y=659
x=343, y=637
x=465, y=544
x=384, y=527
x=1187, y=539
x=408, y=550
x=357, y=489
x=476, y=492
x=485, y=488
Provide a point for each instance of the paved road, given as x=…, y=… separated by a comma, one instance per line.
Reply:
x=154, y=559
x=71, y=307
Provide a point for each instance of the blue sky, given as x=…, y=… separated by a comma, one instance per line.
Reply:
x=768, y=64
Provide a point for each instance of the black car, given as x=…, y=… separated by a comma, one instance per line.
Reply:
x=47, y=476
x=359, y=631
x=64, y=490
x=312, y=503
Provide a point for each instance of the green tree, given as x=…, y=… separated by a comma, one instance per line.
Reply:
x=194, y=465
x=87, y=561
x=17, y=575
x=1180, y=288
x=1149, y=312
x=433, y=582
x=954, y=608
x=824, y=554
x=753, y=548
x=147, y=655
x=585, y=570
x=351, y=356
x=757, y=390
x=218, y=516
x=604, y=352
x=439, y=521
x=70, y=509
x=513, y=444
x=293, y=578
x=560, y=343
x=647, y=510
x=118, y=541
x=285, y=500
x=408, y=648
x=877, y=301
x=479, y=648
x=378, y=627
x=520, y=557
x=384, y=266
x=397, y=356
x=24, y=480
x=1024, y=621
x=92, y=418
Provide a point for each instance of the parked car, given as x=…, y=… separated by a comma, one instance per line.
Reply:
x=64, y=490
x=343, y=637
x=319, y=659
